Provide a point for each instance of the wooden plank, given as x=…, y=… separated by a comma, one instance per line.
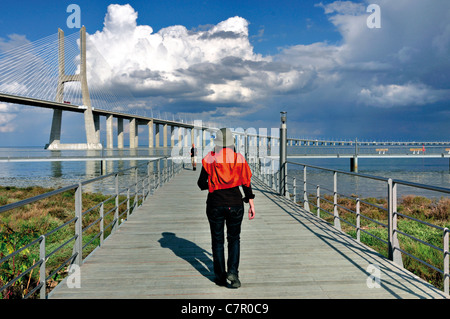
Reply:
x=164, y=251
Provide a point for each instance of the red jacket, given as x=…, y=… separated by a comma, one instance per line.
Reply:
x=226, y=169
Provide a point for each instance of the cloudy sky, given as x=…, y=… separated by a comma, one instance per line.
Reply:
x=340, y=71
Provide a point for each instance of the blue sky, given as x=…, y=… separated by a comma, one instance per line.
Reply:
x=242, y=62
x=284, y=22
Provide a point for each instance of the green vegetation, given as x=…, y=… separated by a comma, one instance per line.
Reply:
x=432, y=211
x=19, y=227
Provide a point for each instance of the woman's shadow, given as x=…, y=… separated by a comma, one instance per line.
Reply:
x=187, y=250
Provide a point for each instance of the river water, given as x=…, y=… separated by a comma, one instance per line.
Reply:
x=430, y=171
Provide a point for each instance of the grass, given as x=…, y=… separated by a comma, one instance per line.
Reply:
x=433, y=211
x=19, y=227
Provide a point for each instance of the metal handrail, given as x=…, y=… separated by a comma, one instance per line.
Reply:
x=394, y=250
x=36, y=198
x=141, y=189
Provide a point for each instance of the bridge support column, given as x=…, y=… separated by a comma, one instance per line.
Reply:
x=186, y=137
x=150, y=133
x=55, y=133
x=180, y=136
x=157, y=135
x=109, y=132
x=97, y=126
x=172, y=136
x=199, y=138
x=120, y=132
x=165, y=135
x=203, y=138
x=133, y=133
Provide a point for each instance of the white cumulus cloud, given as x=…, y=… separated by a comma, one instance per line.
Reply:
x=216, y=64
x=8, y=113
x=408, y=94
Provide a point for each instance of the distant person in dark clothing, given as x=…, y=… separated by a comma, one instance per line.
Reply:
x=194, y=157
x=223, y=171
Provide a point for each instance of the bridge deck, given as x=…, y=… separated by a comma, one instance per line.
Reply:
x=163, y=251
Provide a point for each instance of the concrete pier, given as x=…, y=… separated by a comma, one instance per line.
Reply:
x=354, y=164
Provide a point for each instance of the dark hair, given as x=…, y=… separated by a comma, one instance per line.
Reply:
x=219, y=148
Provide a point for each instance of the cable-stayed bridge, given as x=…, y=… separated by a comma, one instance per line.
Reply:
x=53, y=73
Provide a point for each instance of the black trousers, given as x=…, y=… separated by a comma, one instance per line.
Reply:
x=218, y=217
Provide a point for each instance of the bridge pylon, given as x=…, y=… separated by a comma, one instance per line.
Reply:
x=91, y=122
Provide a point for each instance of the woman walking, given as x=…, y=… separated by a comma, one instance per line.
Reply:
x=223, y=171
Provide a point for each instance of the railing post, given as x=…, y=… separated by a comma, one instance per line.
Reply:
x=102, y=224
x=294, y=189
x=149, y=178
x=42, y=274
x=274, y=184
x=446, y=261
x=286, y=185
x=273, y=181
x=116, y=213
x=128, y=202
x=246, y=144
x=390, y=218
x=164, y=171
x=318, y=201
x=277, y=182
x=305, y=195
x=337, y=221
x=393, y=249
x=78, y=245
x=143, y=191
x=158, y=168
x=136, y=188
x=265, y=176
x=283, y=157
x=358, y=219
x=260, y=175
x=397, y=253
x=167, y=169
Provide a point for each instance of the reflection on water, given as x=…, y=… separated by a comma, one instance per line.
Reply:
x=432, y=171
x=32, y=152
x=56, y=174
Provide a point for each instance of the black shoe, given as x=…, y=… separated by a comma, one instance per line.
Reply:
x=234, y=280
x=220, y=282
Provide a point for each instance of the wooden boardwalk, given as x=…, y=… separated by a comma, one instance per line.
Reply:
x=164, y=251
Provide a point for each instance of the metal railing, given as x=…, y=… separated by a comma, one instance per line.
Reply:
x=300, y=192
x=87, y=229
